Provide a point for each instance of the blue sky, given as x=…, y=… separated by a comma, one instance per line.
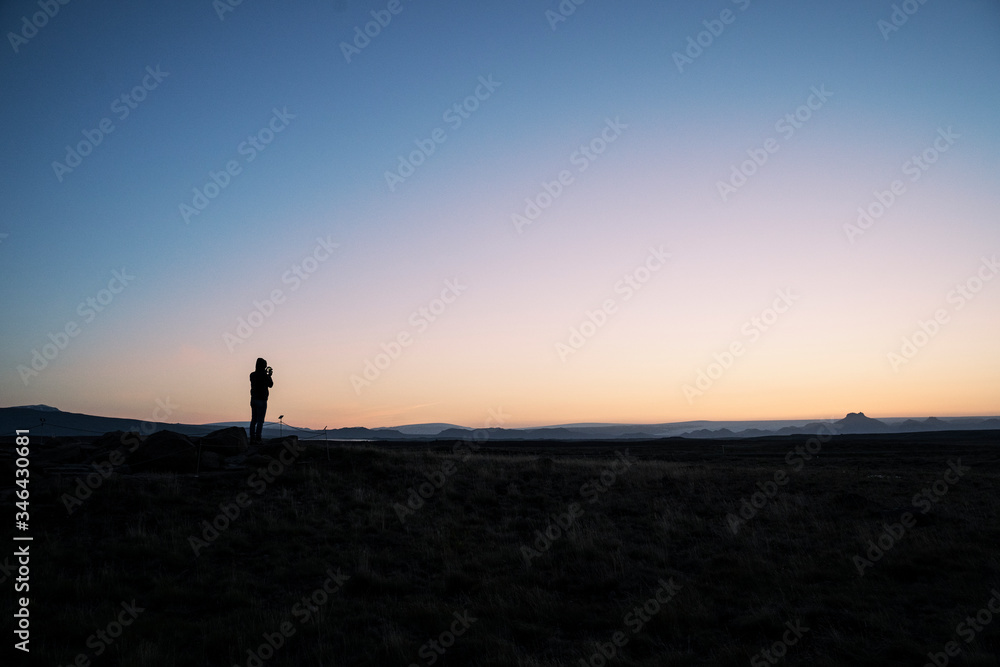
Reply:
x=347, y=123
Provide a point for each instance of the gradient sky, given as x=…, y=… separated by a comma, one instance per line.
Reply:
x=855, y=297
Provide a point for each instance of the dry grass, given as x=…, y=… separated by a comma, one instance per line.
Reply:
x=662, y=518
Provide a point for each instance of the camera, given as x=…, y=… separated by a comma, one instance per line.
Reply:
x=268, y=370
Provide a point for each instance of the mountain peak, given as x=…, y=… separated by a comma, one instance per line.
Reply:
x=858, y=422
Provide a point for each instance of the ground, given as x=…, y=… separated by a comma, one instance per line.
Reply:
x=859, y=550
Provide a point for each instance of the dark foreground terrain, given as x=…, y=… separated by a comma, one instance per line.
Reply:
x=855, y=550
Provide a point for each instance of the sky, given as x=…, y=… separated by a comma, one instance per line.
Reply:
x=501, y=213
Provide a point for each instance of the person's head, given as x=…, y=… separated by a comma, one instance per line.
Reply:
x=261, y=364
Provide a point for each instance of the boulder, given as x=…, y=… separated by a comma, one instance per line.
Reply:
x=227, y=442
x=274, y=446
x=165, y=451
x=114, y=440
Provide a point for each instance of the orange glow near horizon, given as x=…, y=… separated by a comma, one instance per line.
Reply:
x=615, y=395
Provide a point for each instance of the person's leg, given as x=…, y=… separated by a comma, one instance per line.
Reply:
x=257, y=408
x=261, y=411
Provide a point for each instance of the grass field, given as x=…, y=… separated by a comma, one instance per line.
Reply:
x=531, y=554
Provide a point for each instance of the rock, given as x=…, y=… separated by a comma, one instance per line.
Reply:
x=211, y=460
x=227, y=442
x=235, y=461
x=165, y=451
x=274, y=446
x=114, y=440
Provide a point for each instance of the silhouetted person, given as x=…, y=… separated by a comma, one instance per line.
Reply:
x=260, y=381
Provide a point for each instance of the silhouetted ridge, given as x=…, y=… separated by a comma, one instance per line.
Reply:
x=857, y=422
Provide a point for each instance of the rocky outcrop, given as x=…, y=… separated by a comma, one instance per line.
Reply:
x=165, y=451
x=226, y=442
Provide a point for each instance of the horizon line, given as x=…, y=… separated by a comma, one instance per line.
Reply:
x=594, y=424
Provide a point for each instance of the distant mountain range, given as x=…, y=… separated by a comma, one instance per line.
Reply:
x=59, y=423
